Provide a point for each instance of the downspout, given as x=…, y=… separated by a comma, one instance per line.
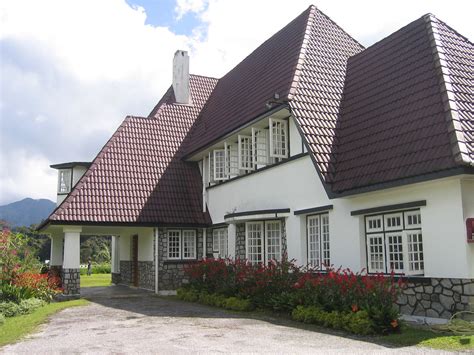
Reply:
x=155, y=232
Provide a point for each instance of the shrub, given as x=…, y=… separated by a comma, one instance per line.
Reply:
x=39, y=285
x=238, y=304
x=12, y=309
x=13, y=293
x=2, y=319
x=354, y=322
x=212, y=299
x=98, y=269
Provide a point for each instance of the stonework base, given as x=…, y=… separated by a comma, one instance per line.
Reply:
x=436, y=298
x=71, y=282
x=116, y=278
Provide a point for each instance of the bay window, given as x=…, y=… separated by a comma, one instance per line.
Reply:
x=317, y=228
x=395, y=243
x=220, y=242
x=263, y=241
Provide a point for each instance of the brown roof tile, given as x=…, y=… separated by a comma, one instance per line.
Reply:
x=139, y=176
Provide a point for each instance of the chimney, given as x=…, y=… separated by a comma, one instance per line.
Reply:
x=181, y=77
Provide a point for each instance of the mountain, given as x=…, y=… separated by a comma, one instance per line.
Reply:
x=26, y=211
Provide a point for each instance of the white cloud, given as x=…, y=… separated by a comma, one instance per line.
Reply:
x=71, y=70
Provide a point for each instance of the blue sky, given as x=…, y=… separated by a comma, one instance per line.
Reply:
x=71, y=71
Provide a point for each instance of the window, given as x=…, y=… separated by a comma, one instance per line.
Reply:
x=259, y=142
x=211, y=168
x=174, y=244
x=219, y=165
x=254, y=241
x=278, y=138
x=182, y=244
x=273, y=240
x=318, y=240
x=189, y=244
x=219, y=242
x=245, y=153
x=231, y=160
x=64, y=181
x=394, y=243
x=263, y=241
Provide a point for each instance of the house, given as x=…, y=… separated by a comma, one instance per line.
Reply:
x=313, y=146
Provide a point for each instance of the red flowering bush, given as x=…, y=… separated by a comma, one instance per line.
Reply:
x=284, y=286
x=40, y=285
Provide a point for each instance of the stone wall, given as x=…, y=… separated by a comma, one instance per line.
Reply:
x=116, y=278
x=71, y=281
x=208, y=242
x=171, y=272
x=240, y=241
x=146, y=275
x=125, y=272
x=437, y=298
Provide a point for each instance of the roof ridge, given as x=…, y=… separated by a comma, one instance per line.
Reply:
x=455, y=130
x=67, y=201
x=302, y=55
x=433, y=16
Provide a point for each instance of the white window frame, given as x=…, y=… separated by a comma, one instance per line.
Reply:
x=210, y=170
x=260, y=146
x=278, y=147
x=220, y=242
x=178, y=236
x=219, y=165
x=248, y=255
x=319, y=242
x=231, y=159
x=267, y=241
x=381, y=252
x=185, y=234
x=245, y=155
x=412, y=253
x=65, y=176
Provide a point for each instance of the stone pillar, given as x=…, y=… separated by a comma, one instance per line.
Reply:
x=71, y=264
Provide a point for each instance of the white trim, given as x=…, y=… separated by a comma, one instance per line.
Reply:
x=168, y=246
x=412, y=214
x=262, y=241
x=247, y=140
x=257, y=217
x=372, y=229
x=283, y=125
x=393, y=217
x=280, y=246
x=219, y=164
x=379, y=236
x=192, y=235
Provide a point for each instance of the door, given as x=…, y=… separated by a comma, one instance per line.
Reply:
x=135, y=260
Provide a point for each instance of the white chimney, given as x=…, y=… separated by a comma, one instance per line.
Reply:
x=181, y=77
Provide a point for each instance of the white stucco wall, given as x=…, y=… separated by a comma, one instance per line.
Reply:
x=467, y=190
x=296, y=144
x=124, y=247
x=295, y=185
x=77, y=173
x=145, y=243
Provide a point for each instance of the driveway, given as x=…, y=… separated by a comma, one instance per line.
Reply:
x=123, y=320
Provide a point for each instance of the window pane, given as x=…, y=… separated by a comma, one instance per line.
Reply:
x=375, y=246
x=314, y=240
x=174, y=244
x=219, y=165
x=395, y=252
x=245, y=153
x=415, y=252
x=325, y=239
x=413, y=219
x=64, y=183
x=273, y=231
x=189, y=244
x=393, y=221
x=278, y=138
x=254, y=242
x=373, y=224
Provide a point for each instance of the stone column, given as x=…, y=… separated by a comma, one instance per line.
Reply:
x=71, y=264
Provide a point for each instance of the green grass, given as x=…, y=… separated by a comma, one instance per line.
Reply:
x=16, y=328
x=410, y=336
x=96, y=280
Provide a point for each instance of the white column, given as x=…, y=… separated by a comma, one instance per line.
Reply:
x=56, y=250
x=231, y=240
x=115, y=254
x=204, y=243
x=72, y=250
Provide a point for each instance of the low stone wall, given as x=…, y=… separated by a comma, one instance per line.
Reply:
x=146, y=275
x=437, y=298
x=125, y=272
x=240, y=241
x=71, y=280
x=116, y=278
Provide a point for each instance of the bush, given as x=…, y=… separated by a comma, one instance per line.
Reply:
x=354, y=322
x=212, y=299
x=2, y=319
x=98, y=269
x=38, y=285
x=12, y=309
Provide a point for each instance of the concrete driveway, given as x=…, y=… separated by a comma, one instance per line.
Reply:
x=123, y=320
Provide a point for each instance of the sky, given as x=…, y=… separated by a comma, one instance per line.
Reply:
x=71, y=70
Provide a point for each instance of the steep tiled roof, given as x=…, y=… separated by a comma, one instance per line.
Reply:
x=139, y=176
x=241, y=95
x=394, y=121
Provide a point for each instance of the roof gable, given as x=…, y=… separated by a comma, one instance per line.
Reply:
x=395, y=121
x=139, y=176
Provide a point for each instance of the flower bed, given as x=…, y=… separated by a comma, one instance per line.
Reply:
x=341, y=299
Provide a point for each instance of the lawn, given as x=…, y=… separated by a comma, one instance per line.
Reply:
x=17, y=327
x=425, y=337
x=96, y=280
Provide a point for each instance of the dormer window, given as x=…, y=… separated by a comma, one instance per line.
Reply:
x=64, y=181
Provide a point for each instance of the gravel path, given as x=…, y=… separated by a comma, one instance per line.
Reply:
x=121, y=320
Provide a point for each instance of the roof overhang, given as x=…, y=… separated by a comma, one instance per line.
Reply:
x=71, y=165
x=256, y=215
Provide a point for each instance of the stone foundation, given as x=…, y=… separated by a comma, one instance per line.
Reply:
x=240, y=241
x=71, y=282
x=116, y=278
x=146, y=275
x=437, y=298
x=126, y=272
